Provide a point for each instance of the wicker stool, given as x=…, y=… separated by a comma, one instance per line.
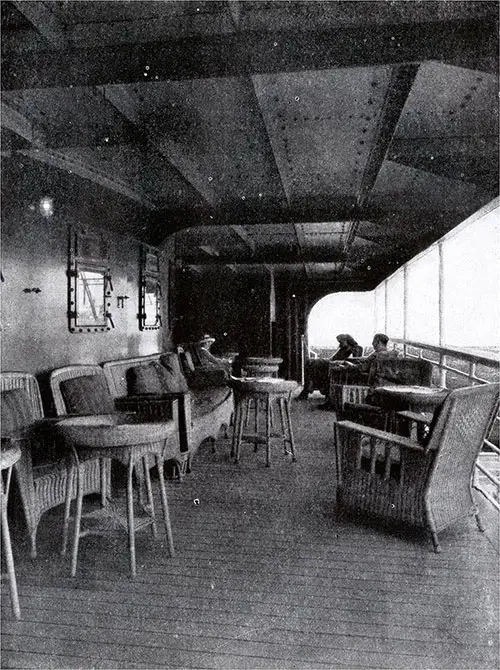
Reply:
x=262, y=396
x=114, y=437
x=8, y=458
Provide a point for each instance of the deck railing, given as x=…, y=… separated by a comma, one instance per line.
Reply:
x=457, y=368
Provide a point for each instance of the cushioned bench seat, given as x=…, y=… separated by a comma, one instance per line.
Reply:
x=204, y=407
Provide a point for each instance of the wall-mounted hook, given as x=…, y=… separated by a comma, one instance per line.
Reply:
x=120, y=301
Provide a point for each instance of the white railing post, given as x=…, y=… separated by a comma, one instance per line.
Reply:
x=441, y=321
x=405, y=309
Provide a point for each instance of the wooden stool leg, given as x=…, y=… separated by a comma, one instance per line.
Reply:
x=236, y=420
x=290, y=431
x=239, y=434
x=149, y=489
x=268, y=430
x=9, y=559
x=164, y=502
x=284, y=429
x=78, y=514
x=247, y=411
x=67, y=509
x=256, y=406
x=130, y=516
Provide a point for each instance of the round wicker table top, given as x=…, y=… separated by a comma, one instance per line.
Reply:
x=262, y=385
x=109, y=430
x=415, y=398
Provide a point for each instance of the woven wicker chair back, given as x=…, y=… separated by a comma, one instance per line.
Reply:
x=27, y=382
x=461, y=427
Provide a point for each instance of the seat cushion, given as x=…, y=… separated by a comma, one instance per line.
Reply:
x=16, y=411
x=206, y=378
x=205, y=400
x=87, y=395
x=173, y=380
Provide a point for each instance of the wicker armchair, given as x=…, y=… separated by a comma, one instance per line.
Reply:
x=397, y=479
x=42, y=486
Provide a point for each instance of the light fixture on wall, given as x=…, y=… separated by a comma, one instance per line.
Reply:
x=46, y=206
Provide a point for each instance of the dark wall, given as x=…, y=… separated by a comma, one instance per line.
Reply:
x=236, y=311
x=35, y=335
x=233, y=309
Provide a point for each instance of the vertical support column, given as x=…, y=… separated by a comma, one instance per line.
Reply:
x=441, y=320
x=405, y=308
x=385, y=306
x=272, y=311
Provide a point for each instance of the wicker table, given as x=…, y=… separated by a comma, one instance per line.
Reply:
x=262, y=367
x=413, y=398
x=122, y=438
x=409, y=406
x=262, y=395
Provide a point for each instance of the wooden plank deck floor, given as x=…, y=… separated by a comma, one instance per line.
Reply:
x=264, y=577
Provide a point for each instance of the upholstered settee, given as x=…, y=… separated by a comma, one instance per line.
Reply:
x=146, y=383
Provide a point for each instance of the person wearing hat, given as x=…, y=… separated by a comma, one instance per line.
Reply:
x=207, y=359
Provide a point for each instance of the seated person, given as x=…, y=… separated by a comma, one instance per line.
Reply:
x=372, y=365
x=368, y=371
x=347, y=347
x=317, y=369
x=207, y=359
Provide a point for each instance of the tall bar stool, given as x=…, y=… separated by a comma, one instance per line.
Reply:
x=117, y=437
x=267, y=397
x=8, y=458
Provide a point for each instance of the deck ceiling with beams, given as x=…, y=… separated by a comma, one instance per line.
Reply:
x=330, y=141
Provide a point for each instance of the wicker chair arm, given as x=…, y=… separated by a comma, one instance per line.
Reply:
x=424, y=418
x=396, y=440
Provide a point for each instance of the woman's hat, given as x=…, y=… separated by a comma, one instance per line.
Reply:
x=206, y=339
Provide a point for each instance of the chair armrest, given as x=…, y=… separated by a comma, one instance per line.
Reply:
x=424, y=418
x=362, y=407
x=396, y=440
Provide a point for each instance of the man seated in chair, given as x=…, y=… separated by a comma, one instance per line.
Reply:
x=370, y=366
x=207, y=359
